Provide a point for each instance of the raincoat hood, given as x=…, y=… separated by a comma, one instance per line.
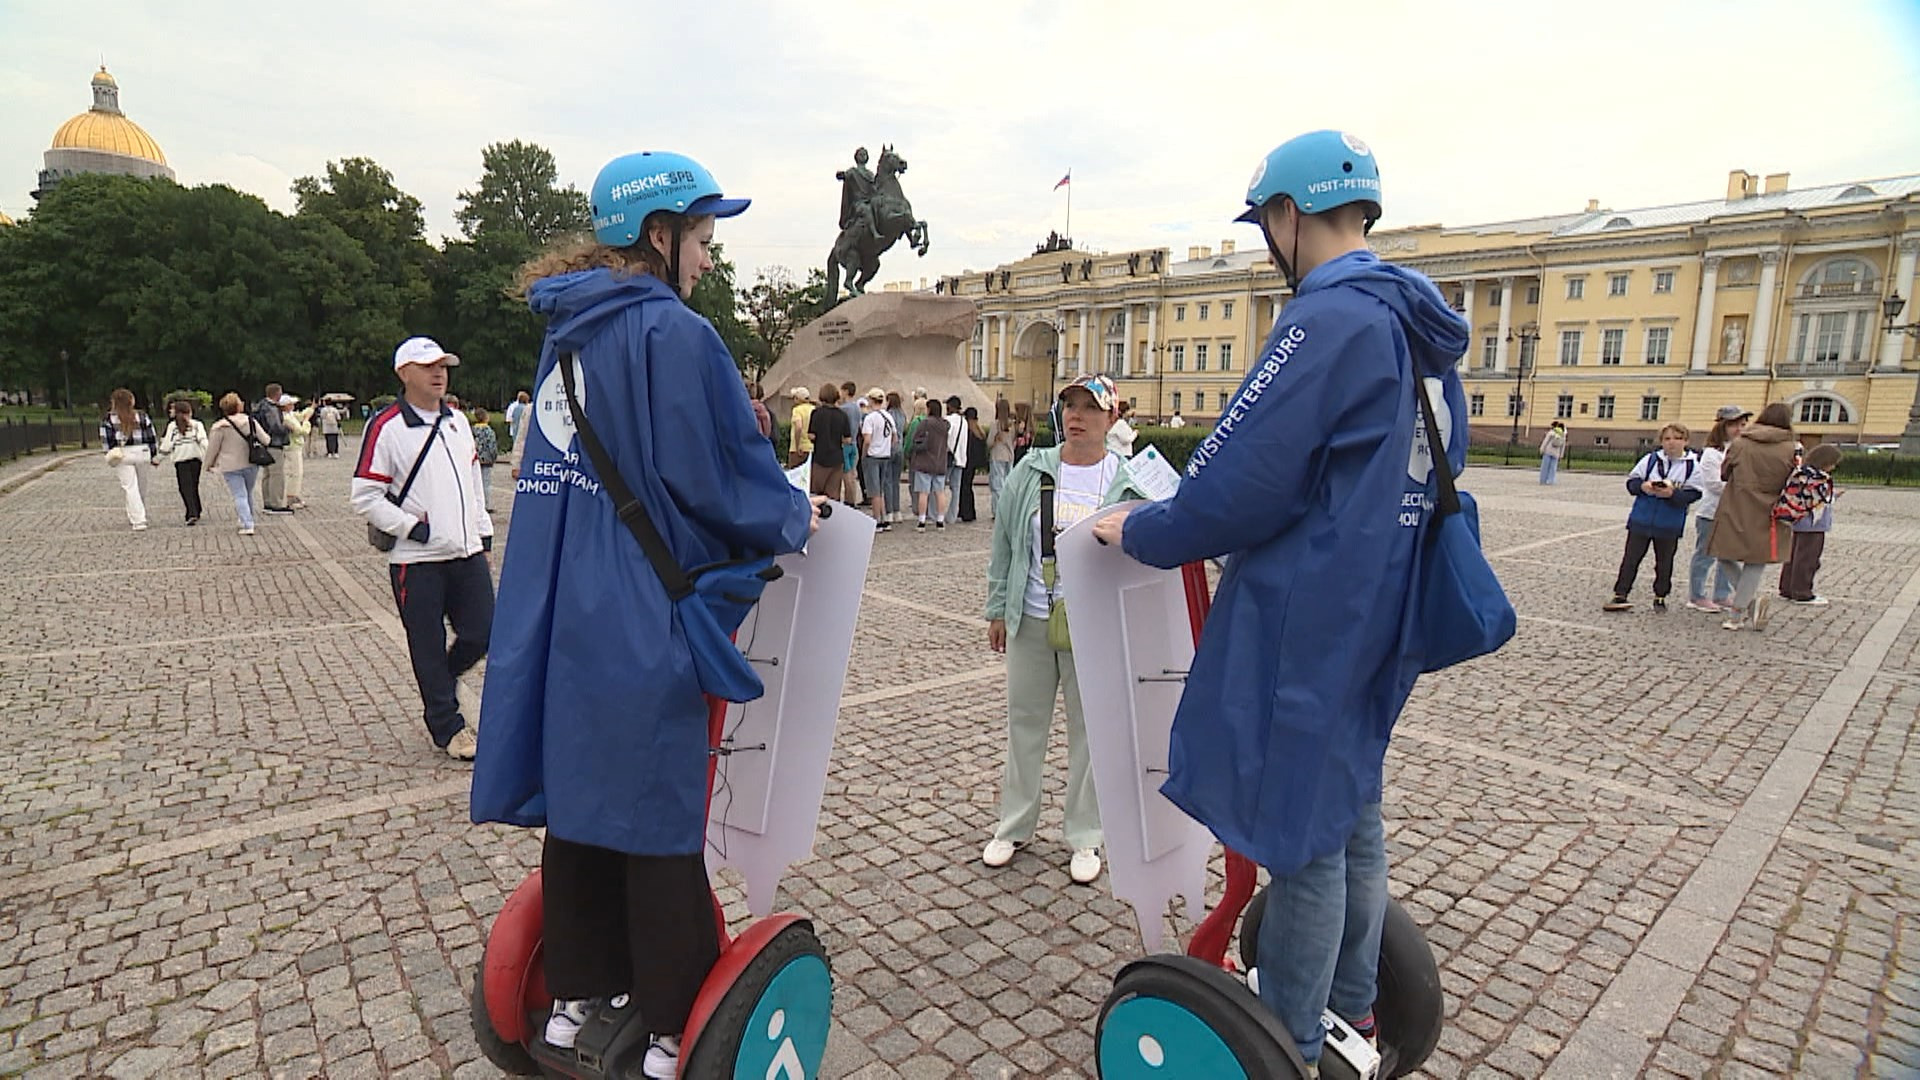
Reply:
x=1437, y=336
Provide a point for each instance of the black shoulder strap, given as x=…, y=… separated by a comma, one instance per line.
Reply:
x=631, y=511
x=1448, y=500
x=1046, y=516
x=419, y=461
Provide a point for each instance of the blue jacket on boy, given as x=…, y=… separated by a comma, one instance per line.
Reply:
x=1652, y=514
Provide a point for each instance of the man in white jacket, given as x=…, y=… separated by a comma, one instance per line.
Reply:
x=418, y=481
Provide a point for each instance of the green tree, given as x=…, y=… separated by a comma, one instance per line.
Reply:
x=716, y=297
x=517, y=196
x=360, y=198
x=775, y=308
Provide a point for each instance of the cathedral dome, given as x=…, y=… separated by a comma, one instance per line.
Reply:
x=106, y=129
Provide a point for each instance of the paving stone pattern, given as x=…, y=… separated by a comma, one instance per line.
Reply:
x=227, y=848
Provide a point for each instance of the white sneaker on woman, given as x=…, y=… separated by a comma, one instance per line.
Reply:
x=1085, y=866
x=663, y=1058
x=564, y=1025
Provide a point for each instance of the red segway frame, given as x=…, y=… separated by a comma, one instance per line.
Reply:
x=1210, y=939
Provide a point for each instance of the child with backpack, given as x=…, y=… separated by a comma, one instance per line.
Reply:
x=1806, y=504
x=1663, y=486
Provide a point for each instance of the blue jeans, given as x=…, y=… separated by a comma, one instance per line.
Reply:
x=890, y=484
x=240, y=485
x=952, y=515
x=1320, y=940
x=1549, y=468
x=1703, y=564
x=996, y=479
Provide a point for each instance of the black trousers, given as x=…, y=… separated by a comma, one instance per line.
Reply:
x=1637, y=545
x=628, y=924
x=1796, y=577
x=430, y=595
x=333, y=443
x=187, y=473
x=967, y=512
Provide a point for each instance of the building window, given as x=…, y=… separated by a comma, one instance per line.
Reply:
x=1663, y=281
x=1202, y=317
x=1176, y=401
x=1613, y=344
x=1489, y=351
x=1493, y=296
x=1650, y=407
x=1226, y=356
x=1563, y=407
x=1513, y=405
x=1602, y=440
x=1658, y=339
x=1179, y=313
x=1116, y=358
x=1199, y=400
x=1533, y=294
x=1616, y=284
x=1477, y=405
x=1823, y=410
x=1226, y=309
x=1527, y=347
x=1569, y=348
x=1576, y=288
x=1200, y=357
x=1179, y=358
x=1832, y=337
x=1603, y=410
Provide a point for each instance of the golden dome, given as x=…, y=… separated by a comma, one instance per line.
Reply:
x=105, y=128
x=4, y=219
x=111, y=132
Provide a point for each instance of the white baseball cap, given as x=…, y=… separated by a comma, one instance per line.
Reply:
x=421, y=350
x=287, y=399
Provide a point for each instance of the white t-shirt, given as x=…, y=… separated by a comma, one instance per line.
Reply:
x=878, y=428
x=1081, y=490
x=1120, y=438
x=957, y=440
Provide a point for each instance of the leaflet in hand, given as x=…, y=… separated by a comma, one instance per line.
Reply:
x=1151, y=475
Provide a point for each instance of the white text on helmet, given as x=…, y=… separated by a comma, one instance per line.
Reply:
x=642, y=185
x=1346, y=183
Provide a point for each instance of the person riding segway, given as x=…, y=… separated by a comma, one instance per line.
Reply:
x=1316, y=481
x=602, y=702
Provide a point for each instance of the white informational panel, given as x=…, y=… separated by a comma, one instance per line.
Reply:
x=1132, y=648
x=773, y=769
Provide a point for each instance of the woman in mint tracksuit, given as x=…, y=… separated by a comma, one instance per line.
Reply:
x=596, y=727
x=1085, y=476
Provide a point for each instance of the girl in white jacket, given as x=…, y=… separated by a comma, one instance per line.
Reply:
x=1726, y=427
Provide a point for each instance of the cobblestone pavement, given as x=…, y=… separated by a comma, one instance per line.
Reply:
x=1638, y=844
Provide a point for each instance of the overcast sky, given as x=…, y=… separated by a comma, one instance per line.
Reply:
x=1478, y=112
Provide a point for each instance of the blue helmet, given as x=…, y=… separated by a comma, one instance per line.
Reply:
x=634, y=185
x=1318, y=171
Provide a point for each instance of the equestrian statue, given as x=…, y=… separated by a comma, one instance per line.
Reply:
x=873, y=214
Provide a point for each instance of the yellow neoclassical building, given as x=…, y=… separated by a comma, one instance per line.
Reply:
x=1615, y=321
x=102, y=140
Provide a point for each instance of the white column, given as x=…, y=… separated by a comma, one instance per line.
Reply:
x=1506, y=325
x=1759, y=347
x=1126, y=339
x=1466, y=312
x=1086, y=343
x=1153, y=335
x=1002, y=368
x=1703, y=318
x=1891, y=345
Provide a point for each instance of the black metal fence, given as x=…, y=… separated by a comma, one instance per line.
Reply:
x=19, y=436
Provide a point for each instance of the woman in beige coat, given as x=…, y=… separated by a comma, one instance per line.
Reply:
x=1745, y=538
x=227, y=456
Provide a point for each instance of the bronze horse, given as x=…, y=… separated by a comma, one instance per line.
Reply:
x=857, y=250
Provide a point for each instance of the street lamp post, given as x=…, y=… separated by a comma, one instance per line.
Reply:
x=1526, y=336
x=66, y=381
x=1890, y=308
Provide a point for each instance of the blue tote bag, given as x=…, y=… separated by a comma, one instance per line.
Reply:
x=1460, y=610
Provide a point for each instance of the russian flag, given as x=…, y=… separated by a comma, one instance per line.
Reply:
x=1064, y=181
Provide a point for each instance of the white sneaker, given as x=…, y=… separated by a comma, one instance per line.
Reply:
x=142, y=527
x=999, y=853
x=464, y=745
x=1814, y=601
x=468, y=700
x=1760, y=604
x=1085, y=866
x=663, y=1058
x=246, y=530
x=564, y=1025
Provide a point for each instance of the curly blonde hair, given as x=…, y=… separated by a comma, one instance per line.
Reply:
x=576, y=253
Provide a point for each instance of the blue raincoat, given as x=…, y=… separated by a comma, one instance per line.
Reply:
x=1315, y=484
x=594, y=724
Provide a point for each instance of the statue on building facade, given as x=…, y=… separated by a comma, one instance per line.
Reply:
x=874, y=213
x=1733, y=337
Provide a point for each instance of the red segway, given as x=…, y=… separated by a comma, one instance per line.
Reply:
x=762, y=1011
x=1191, y=1015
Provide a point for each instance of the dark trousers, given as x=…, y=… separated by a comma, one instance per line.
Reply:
x=966, y=492
x=1796, y=577
x=633, y=924
x=333, y=443
x=1637, y=545
x=187, y=473
x=430, y=595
